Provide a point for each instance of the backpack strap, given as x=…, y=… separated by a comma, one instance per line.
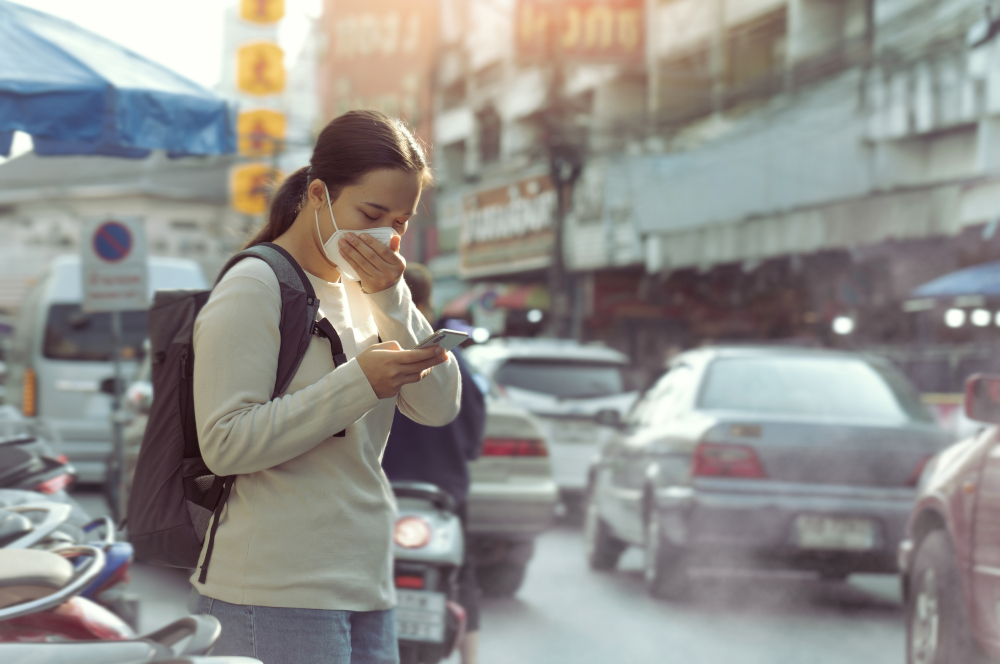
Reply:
x=323, y=328
x=299, y=306
x=225, y=485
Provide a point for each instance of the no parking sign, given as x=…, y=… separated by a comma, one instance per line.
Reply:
x=113, y=259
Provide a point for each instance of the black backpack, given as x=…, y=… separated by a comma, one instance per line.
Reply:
x=174, y=495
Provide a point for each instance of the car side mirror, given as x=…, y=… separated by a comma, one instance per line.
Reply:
x=108, y=386
x=982, y=398
x=609, y=417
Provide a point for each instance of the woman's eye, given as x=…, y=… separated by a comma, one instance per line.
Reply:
x=370, y=218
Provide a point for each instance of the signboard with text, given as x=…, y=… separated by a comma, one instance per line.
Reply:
x=250, y=186
x=260, y=69
x=264, y=12
x=597, y=31
x=506, y=229
x=381, y=56
x=261, y=132
x=113, y=259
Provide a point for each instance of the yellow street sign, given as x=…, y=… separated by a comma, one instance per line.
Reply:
x=260, y=132
x=260, y=69
x=250, y=187
x=262, y=11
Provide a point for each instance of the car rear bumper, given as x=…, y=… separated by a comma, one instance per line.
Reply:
x=758, y=519
x=519, y=510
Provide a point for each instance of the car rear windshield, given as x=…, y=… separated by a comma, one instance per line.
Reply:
x=823, y=387
x=564, y=380
x=71, y=334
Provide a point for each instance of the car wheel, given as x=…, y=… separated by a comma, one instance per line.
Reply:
x=500, y=579
x=603, y=550
x=666, y=567
x=937, y=623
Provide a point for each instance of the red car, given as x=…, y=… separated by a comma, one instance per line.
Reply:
x=950, y=559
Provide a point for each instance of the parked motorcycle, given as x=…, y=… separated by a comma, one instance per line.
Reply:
x=34, y=522
x=44, y=618
x=429, y=548
x=29, y=463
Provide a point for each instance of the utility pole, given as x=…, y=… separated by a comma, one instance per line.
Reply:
x=652, y=65
x=717, y=55
x=564, y=147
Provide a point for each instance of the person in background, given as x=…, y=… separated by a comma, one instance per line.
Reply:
x=441, y=455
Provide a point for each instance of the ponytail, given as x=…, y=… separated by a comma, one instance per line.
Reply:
x=285, y=207
x=348, y=148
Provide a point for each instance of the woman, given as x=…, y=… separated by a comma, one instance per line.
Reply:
x=302, y=566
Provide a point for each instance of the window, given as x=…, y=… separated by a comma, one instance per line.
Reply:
x=454, y=161
x=757, y=49
x=489, y=135
x=666, y=400
x=71, y=334
x=564, y=380
x=841, y=388
x=453, y=95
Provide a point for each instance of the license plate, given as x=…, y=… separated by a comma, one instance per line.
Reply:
x=835, y=532
x=420, y=615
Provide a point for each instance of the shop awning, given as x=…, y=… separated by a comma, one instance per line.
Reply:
x=981, y=279
x=531, y=296
x=77, y=93
x=459, y=306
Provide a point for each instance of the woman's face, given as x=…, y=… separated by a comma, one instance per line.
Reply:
x=384, y=198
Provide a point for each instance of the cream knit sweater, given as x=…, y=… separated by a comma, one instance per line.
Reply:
x=309, y=521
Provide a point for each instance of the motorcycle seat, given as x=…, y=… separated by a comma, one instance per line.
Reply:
x=13, y=526
x=29, y=574
x=93, y=652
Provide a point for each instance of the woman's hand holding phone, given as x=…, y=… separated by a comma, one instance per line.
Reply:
x=380, y=267
x=388, y=367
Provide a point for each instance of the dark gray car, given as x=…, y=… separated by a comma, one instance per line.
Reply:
x=786, y=457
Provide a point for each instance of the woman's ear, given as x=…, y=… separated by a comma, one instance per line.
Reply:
x=316, y=194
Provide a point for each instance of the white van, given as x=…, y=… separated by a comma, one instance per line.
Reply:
x=60, y=355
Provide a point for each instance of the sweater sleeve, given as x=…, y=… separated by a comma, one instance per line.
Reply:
x=241, y=429
x=435, y=400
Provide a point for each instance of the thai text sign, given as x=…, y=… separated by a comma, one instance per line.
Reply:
x=250, y=187
x=260, y=69
x=610, y=31
x=261, y=132
x=508, y=228
x=263, y=12
x=381, y=54
x=113, y=261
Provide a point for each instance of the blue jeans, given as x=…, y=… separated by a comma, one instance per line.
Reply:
x=302, y=636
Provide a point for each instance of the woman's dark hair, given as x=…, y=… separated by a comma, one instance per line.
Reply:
x=348, y=148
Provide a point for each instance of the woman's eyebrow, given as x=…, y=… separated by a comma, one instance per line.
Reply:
x=385, y=209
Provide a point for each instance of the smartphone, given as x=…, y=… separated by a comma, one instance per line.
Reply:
x=447, y=339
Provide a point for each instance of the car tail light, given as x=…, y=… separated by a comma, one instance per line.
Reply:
x=412, y=532
x=514, y=447
x=918, y=471
x=29, y=393
x=413, y=582
x=726, y=460
x=57, y=483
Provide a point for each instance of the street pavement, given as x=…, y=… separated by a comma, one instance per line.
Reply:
x=566, y=613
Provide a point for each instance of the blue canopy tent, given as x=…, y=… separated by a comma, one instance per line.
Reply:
x=981, y=279
x=77, y=93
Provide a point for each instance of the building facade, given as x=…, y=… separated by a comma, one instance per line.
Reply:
x=769, y=168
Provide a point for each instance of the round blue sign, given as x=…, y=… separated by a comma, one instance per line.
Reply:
x=112, y=241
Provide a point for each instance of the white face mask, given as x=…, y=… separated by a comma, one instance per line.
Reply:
x=332, y=247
